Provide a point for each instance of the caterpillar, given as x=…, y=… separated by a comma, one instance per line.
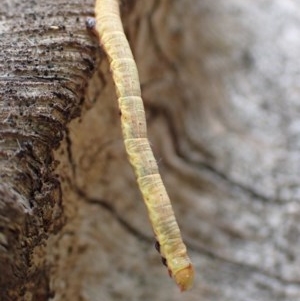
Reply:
x=111, y=36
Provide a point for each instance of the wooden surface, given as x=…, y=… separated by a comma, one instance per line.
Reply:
x=220, y=81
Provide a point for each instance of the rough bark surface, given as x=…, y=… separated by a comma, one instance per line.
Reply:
x=46, y=58
x=220, y=82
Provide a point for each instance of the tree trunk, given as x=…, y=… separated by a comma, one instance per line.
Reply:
x=220, y=83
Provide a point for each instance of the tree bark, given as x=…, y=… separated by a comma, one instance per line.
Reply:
x=220, y=82
x=46, y=60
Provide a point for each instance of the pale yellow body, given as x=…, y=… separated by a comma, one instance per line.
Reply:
x=124, y=70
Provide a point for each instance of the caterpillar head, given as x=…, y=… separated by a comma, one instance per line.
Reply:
x=185, y=278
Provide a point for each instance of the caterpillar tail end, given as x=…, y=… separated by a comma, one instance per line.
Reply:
x=185, y=278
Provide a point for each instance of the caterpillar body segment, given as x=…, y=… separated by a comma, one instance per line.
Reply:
x=112, y=38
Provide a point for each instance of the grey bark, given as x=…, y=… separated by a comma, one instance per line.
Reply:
x=220, y=81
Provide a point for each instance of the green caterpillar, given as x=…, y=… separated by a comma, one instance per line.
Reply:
x=169, y=242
